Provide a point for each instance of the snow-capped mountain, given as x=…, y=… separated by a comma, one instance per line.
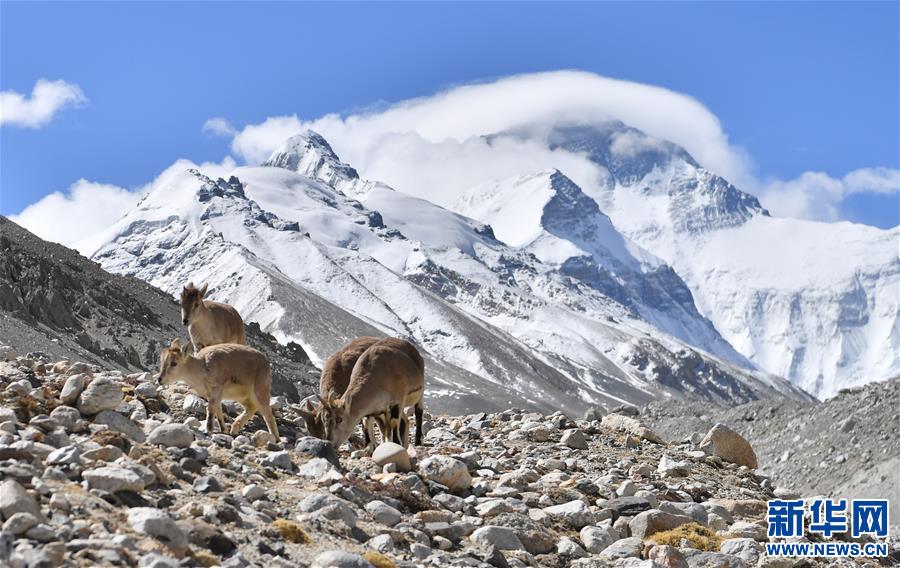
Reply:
x=314, y=254
x=817, y=303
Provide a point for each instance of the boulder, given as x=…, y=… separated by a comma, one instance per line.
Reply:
x=653, y=521
x=501, y=537
x=15, y=499
x=72, y=388
x=574, y=513
x=113, y=478
x=120, y=423
x=159, y=525
x=391, y=453
x=724, y=442
x=574, y=439
x=625, y=548
x=630, y=425
x=171, y=436
x=101, y=394
x=667, y=556
x=449, y=472
x=596, y=539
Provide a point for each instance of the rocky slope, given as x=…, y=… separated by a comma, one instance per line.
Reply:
x=57, y=302
x=104, y=468
x=848, y=446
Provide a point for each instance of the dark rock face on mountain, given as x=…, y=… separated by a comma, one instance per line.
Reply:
x=56, y=301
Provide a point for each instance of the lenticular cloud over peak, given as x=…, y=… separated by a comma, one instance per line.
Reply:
x=446, y=122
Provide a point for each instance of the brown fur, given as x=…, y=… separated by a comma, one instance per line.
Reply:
x=222, y=372
x=210, y=323
x=388, y=376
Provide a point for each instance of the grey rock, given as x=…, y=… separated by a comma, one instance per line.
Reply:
x=596, y=539
x=653, y=521
x=171, y=435
x=64, y=456
x=18, y=523
x=114, y=478
x=383, y=513
x=278, y=460
x=339, y=559
x=72, y=388
x=625, y=548
x=574, y=439
x=714, y=560
x=15, y=499
x=450, y=472
x=159, y=525
x=146, y=390
x=101, y=394
x=316, y=448
x=121, y=423
x=574, y=513
x=724, y=442
x=501, y=537
x=568, y=548
x=747, y=549
x=391, y=453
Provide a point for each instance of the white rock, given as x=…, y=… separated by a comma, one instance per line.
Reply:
x=171, y=435
x=383, y=513
x=72, y=388
x=381, y=543
x=121, y=424
x=568, y=548
x=596, y=539
x=15, y=499
x=574, y=513
x=159, y=525
x=500, y=537
x=113, y=478
x=339, y=559
x=101, y=394
x=671, y=468
x=447, y=471
x=391, y=453
x=19, y=523
x=146, y=390
x=574, y=439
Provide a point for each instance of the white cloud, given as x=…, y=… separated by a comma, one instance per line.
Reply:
x=218, y=126
x=72, y=216
x=437, y=132
x=47, y=98
x=818, y=196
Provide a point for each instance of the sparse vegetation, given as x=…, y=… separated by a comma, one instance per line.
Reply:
x=693, y=534
x=291, y=531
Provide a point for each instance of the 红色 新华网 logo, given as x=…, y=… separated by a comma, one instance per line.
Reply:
x=862, y=518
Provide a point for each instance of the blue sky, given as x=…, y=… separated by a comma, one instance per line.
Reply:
x=800, y=87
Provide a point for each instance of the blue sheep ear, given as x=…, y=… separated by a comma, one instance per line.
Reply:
x=188, y=347
x=204, y=289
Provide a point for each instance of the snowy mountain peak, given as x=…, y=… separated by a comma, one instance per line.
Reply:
x=309, y=154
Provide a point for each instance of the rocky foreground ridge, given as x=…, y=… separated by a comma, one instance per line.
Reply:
x=102, y=468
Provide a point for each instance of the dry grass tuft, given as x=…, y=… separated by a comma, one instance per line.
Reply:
x=696, y=535
x=291, y=531
x=205, y=558
x=379, y=560
x=415, y=501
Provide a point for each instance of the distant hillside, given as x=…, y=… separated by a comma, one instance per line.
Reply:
x=54, y=300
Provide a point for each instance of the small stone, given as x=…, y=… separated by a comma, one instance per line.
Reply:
x=19, y=523
x=72, y=388
x=747, y=549
x=157, y=524
x=317, y=448
x=383, y=513
x=381, y=543
x=171, y=435
x=574, y=439
x=625, y=548
x=391, y=453
x=596, y=539
x=320, y=470
x=101, y=394
x=500, y=537
x=671, y=468
x=727, y=444
x=120, y=423
x=262, y=438
x=253, y=492
x=631, y=426
x=568, y=548
x=574, y=513
x=278, y=460
x=66, y=416
x=146, y=390
x=114, y=479
x=449, y=472
x=207, y=484
x=667, y=556
x=339, y=559
x=653, y=521
x=156, y=560
x=420, y=551
x=64, y=456
x=15, y=499
x=193, y=404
